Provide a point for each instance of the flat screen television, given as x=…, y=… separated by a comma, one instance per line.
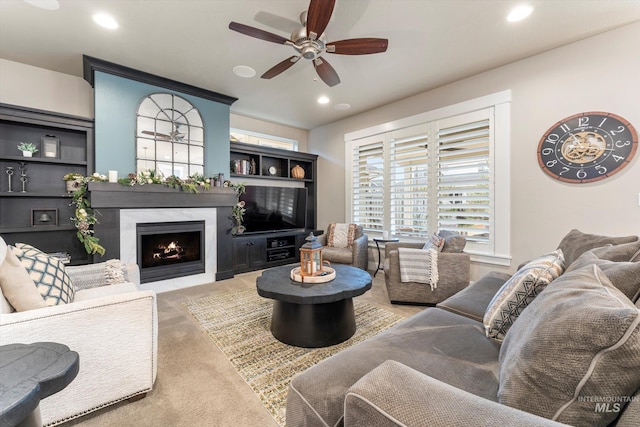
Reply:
x=274, y=208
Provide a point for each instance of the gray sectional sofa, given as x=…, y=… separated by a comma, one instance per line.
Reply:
x=571, y=357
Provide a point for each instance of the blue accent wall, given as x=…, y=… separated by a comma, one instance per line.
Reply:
x=116, y=103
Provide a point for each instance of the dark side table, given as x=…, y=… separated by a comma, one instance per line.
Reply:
x=29, y=373
x=378, y=241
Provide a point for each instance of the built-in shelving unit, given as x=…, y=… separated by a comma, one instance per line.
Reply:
x=270, y=163
x=275, y=167
x=39, y=211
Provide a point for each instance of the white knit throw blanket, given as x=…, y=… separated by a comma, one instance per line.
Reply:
x=419, y=265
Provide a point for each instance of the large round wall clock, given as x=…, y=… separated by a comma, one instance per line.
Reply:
x=587, y=147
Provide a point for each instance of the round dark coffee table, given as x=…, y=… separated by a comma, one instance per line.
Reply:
x=313, y=314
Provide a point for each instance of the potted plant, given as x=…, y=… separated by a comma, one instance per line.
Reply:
x=73, y=181
x=27, y=149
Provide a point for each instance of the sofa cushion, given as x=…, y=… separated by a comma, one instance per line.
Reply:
x=623, y=275
x=17, y=287
x=338, y=255
x=341, y=235
x=438, y=343
x=578, y=339
x=575, y=243
x=518, y=292
x=48, y=274
x=473, y=300
x=624, y=252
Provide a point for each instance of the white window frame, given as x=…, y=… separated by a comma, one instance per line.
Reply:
x=498, y=251
x=255, y=137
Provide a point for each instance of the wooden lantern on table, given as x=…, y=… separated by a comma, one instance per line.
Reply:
x=311, y=257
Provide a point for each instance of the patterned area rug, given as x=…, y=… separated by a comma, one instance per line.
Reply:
x=239, y=322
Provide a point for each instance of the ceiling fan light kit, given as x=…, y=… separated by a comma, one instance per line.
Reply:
x=309, y=42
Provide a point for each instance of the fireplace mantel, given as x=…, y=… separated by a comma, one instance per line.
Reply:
x=110, y=198
x=108, y=195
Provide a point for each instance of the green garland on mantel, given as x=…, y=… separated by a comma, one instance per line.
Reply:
x=85, y=216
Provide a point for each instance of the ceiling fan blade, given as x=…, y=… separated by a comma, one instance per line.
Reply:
x=257, y=33
x=326, y=71
x=362, y=46
x=318, y=16
x=280, y=67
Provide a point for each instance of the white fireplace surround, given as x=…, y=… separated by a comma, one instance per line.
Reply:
x=129, y=218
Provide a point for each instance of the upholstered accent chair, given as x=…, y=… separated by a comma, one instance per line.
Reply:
x=351, y=253
x=453, y=274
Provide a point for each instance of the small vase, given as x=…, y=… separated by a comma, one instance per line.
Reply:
x=297, y=172
x=70, y=186
x=27, y=154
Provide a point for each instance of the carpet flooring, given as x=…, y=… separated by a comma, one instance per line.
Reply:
x=239, y=324
x=197, y=385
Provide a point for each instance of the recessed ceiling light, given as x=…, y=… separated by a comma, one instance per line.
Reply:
x=519, y=13
x=323, y=100
x=106, y=21
x=44, y=4
x=244, y=71
x=342, y=106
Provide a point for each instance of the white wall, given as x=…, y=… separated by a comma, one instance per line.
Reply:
x=597, y=74
x=34, y=87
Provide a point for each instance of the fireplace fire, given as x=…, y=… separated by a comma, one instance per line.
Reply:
x=170, y=249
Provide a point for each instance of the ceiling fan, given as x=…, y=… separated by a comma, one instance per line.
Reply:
x=310, y=42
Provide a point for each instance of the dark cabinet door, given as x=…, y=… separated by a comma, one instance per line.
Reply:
x=249, y=253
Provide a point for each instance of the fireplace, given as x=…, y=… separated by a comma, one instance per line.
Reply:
x=170, y=249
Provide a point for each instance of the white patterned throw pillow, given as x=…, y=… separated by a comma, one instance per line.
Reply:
x=341, y=235
x=518, y=292
x=47, y=273
x=435, y=242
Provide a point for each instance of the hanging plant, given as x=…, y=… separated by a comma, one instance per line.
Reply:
x=85, y=216
x=238, y=210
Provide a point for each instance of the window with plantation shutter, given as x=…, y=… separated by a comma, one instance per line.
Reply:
x=464, y=176
x=368, y=185
x=446, y=169
x=408, y=182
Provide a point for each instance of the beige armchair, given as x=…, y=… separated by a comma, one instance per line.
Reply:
x=453, y=272
x=356, y=256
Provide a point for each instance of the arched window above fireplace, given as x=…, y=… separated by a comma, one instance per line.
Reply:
x=169, y=136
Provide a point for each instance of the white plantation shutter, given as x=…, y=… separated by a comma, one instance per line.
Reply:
x=408, y=182
x=464, y=176
x=445, y=169
x=368, y=184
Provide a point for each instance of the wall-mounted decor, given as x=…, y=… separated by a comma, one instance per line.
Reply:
x=170, y=136
x=44, y=217
x=587, y=147
x=50, y=147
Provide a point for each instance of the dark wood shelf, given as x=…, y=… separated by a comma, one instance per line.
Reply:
x=39, y=229
x=44, y=160
x=38, y=194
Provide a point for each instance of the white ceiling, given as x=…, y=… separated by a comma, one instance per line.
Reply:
x=431, y=43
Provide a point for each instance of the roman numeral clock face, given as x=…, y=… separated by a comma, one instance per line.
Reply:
x=587, y=147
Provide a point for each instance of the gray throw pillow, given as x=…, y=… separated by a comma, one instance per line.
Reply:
x=579, y=340
x=453, y=242
x=624, y=252
x=575, y=243
x=623, y=275
x=518, y=292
